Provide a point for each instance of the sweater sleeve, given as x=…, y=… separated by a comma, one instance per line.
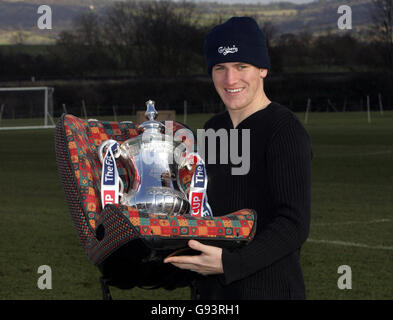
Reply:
x=289, y=180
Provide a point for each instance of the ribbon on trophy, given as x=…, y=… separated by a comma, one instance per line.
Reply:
x=198, y=195
x=110, y=175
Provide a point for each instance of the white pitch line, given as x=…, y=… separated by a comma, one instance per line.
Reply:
x=349, y=244
x=374, y=153
x=365, y=154
x=27, y=127
x=351, y=222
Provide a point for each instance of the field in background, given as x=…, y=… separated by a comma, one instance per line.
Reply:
x=351, y=214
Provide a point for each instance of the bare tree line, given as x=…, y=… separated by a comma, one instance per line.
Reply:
x=382, y=14
x=161, y=37
x=166, y=38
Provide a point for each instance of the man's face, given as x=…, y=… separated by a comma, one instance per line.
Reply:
x=239, y=85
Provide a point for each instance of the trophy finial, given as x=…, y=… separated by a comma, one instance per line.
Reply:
x=151, y=112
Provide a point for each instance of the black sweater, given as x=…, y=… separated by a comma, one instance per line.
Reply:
x=278, y=188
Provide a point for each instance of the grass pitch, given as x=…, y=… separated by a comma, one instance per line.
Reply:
x=351, y=215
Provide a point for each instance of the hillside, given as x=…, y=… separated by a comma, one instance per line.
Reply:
x=18, y=19
x=315, y=17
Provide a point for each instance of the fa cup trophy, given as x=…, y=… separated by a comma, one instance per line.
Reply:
x=155, y=160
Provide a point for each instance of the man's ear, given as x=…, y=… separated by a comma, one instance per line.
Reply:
x=263, y=73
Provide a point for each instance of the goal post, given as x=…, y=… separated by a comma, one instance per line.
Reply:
x=26, y=108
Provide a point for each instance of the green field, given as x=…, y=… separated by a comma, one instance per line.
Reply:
x=351, y=224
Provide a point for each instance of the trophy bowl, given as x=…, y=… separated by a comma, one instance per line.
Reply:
x=154, y=158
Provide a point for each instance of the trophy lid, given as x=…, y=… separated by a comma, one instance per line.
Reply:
x=151, y=114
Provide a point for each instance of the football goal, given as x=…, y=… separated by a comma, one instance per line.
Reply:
x=26, y=108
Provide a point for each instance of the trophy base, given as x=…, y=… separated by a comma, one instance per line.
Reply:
x=159, y=200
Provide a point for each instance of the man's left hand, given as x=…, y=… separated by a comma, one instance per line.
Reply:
x=207, y=263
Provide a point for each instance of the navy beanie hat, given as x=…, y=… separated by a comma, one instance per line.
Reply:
x=237, y=40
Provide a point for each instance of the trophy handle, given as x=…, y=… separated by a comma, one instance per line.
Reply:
x=185, y=172
x=102, y=149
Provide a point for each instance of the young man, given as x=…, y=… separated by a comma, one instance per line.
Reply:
x=277, y=186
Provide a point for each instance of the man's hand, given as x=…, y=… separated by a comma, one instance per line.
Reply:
x=208, y=262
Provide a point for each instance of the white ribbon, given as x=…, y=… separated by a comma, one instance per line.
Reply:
x=198, y=195
x=110, y=176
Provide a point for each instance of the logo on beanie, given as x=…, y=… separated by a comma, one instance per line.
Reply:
x=225, y=50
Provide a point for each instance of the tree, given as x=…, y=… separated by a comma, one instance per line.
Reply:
x=270, y=31
x=19, y=37
x=119, y=32
x=153, y=37
x=382, y=15
x=88, y=28
x=168, y=39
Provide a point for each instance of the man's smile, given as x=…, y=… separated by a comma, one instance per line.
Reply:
x=233, y=91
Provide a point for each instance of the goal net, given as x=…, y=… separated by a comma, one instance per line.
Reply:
x=26, y=108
